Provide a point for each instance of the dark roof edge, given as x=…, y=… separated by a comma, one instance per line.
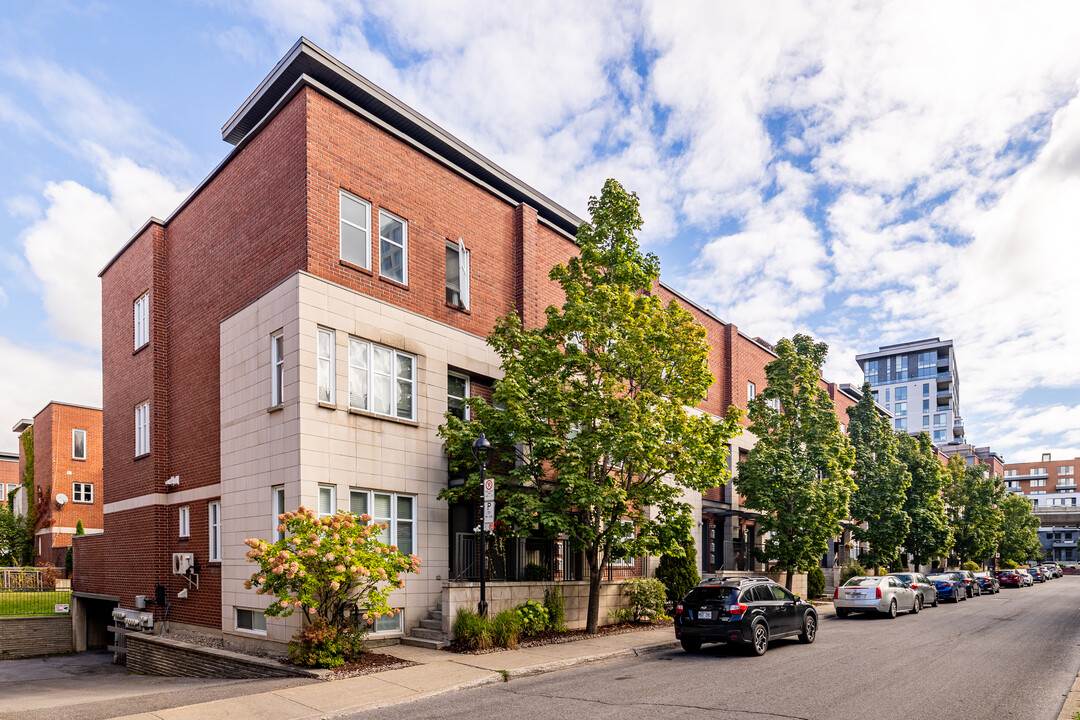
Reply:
x=142, y=228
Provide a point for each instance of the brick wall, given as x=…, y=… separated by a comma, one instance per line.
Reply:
x=152, y=655
x=23, y=637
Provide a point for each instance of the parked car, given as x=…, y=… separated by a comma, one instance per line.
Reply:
x=988, y=582
x=885, y=595
x=1055, y=571
x=950, y=586
x=747, y=611
x=971, y=583
x=1026, y=577
x=925, y=590
x=1037, y=574
x=1010, y=577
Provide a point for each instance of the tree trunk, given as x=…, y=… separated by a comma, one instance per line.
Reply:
x=787, y=583
x=592, y=621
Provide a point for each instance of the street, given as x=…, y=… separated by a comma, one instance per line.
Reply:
x=1011, y=655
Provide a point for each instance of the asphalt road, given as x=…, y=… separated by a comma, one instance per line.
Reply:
x=1012, y=655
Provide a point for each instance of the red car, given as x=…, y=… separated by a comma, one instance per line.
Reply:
x=1009, y=577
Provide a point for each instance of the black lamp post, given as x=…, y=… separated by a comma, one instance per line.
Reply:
x=481, y=450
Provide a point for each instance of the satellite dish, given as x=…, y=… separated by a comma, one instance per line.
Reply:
x=61, y=499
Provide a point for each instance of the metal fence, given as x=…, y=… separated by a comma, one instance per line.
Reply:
x=31, y=591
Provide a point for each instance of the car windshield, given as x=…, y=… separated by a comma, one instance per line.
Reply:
x=940, y=576
x=863, y=582
x=718, y=594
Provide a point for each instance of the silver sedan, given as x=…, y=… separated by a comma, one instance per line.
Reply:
x=885, y=595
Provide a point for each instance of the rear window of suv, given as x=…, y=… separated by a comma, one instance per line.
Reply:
x=718, y=594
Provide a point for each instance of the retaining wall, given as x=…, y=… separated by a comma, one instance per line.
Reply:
x=23, y=637
x=153, y=655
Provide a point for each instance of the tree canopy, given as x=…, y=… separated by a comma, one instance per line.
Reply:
x=593, y=425
x=929, y=535
x=973, y=500
x=1019, y=530
x=798, y=473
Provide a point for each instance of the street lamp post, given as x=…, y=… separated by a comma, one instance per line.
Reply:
x=481, y=450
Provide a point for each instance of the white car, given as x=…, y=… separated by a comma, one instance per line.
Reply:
x=885, y=595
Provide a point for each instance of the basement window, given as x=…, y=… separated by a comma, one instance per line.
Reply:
x=251, y=620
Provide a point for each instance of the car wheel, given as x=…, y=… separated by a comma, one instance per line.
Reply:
x=841, y=613
x=934, y=602
x=809, y=629
x=892, y=609
x=955, y=595
x=690, y=645
x=917, y=605
x=760, y=642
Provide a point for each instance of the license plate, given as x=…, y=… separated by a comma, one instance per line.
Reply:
x=859, y=595
x=704, y=615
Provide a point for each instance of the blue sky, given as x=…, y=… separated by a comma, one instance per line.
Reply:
x=865, y=172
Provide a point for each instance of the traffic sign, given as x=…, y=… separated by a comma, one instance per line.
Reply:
x=489, y=489
x=489, y=514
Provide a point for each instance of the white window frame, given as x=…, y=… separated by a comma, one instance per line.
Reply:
x=774, y=403
x=396, y=619
x=342, y=196
x=325, y=366
x=468, y=389
x=463, y=289
x=624, y=562
x=277, y=367
x=404, y=245
x=392, y=534
x=142, y=429
x=76, y=432
x=142, y=320
x=358, y=347
x=183, y=521
x=255, y=613
x=213, y=522
x=900, y=408
x=82, y=492
x=332, y=491
x=277, y=502
x=751, y=391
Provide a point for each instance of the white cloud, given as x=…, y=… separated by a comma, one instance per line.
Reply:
x=78, y=233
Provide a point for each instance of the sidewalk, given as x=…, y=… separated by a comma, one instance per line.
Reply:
x=437, y=673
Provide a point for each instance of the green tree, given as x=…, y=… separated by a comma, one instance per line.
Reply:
x=79, y=529
x=30, y=519
x=929, y=535
x=1019, y=530
x=883, y=481
x=798, y=473
x=973, y=500
x=678, y=571
x=595, y=436
x=14, y=529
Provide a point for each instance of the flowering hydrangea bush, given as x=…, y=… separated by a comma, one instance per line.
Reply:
x=331, y=569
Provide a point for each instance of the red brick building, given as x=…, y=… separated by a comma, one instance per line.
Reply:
x=9, y=474
x=1047, y=483
x=293, y=334
x=67, y=485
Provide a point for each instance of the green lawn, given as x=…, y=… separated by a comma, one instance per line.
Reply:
x=32, y=603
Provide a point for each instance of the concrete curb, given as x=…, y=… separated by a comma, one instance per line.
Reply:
x=1072, y=702
x=491, y=679
x=590, y=659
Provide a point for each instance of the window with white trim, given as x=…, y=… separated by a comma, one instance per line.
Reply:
x=213, y=512
x=387, y=624
x=900, y=423
x=396, y=510
x=277, y=495
x=325, y=366
x=277, y=367
x=183, y=521
x=1041, y=482
x=393, y=247
x=327, y=500
x=774, y=403
x=78, y=444
x=142, y=429
x=355, y=229
x=381, y=380
x=751, y=391
x=251, y=620
x=457, y=390
x=457, y=274
x=82, y=492
x=142, y=320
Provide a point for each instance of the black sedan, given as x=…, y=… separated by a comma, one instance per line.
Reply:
x=746, y=611
x=950, y=586
x=988, y=583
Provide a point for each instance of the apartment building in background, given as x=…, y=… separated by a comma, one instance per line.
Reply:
x=919, y=384
x=1047, y=483
x=294, y=334
x=10, y=481
x=67, y=481
x=995, y=463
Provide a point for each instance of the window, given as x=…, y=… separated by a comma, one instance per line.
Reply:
x=619, y=559
x=457, y=274
x=325, y=366
x=901, y=408
x=751, y=391
x=78, y=444
x=871, y=372
x=901, y=393
x=927, y=365
x=926, y=390
x=142, y=321
x=900, y=423
x=1038, y=471
x=1039, y=483
x=901, y=368
x=925, y=422
x=355, y=230
x=1065, y=470
x=1011, y=473
x=939, y=436
x=393, y=247
x=277, y=366
x=277, y=495
x=926, y=406
x=843, y=429
x=142, y=429
x=387, y=624
x=774, y=403
x=1037, y=492
x=327, y=500
x=381, y=380
x=939, y=420
x=213, y=512
x=874, y=393
x=183, y=521
x=82, y=492
x=457, y=389
x=1046, y=457
x=250, y=620
x=397, y=511
x=887, y=395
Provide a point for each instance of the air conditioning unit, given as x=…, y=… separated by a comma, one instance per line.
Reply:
x=182, y=563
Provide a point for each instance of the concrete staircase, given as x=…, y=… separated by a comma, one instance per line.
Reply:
x=429, y=633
